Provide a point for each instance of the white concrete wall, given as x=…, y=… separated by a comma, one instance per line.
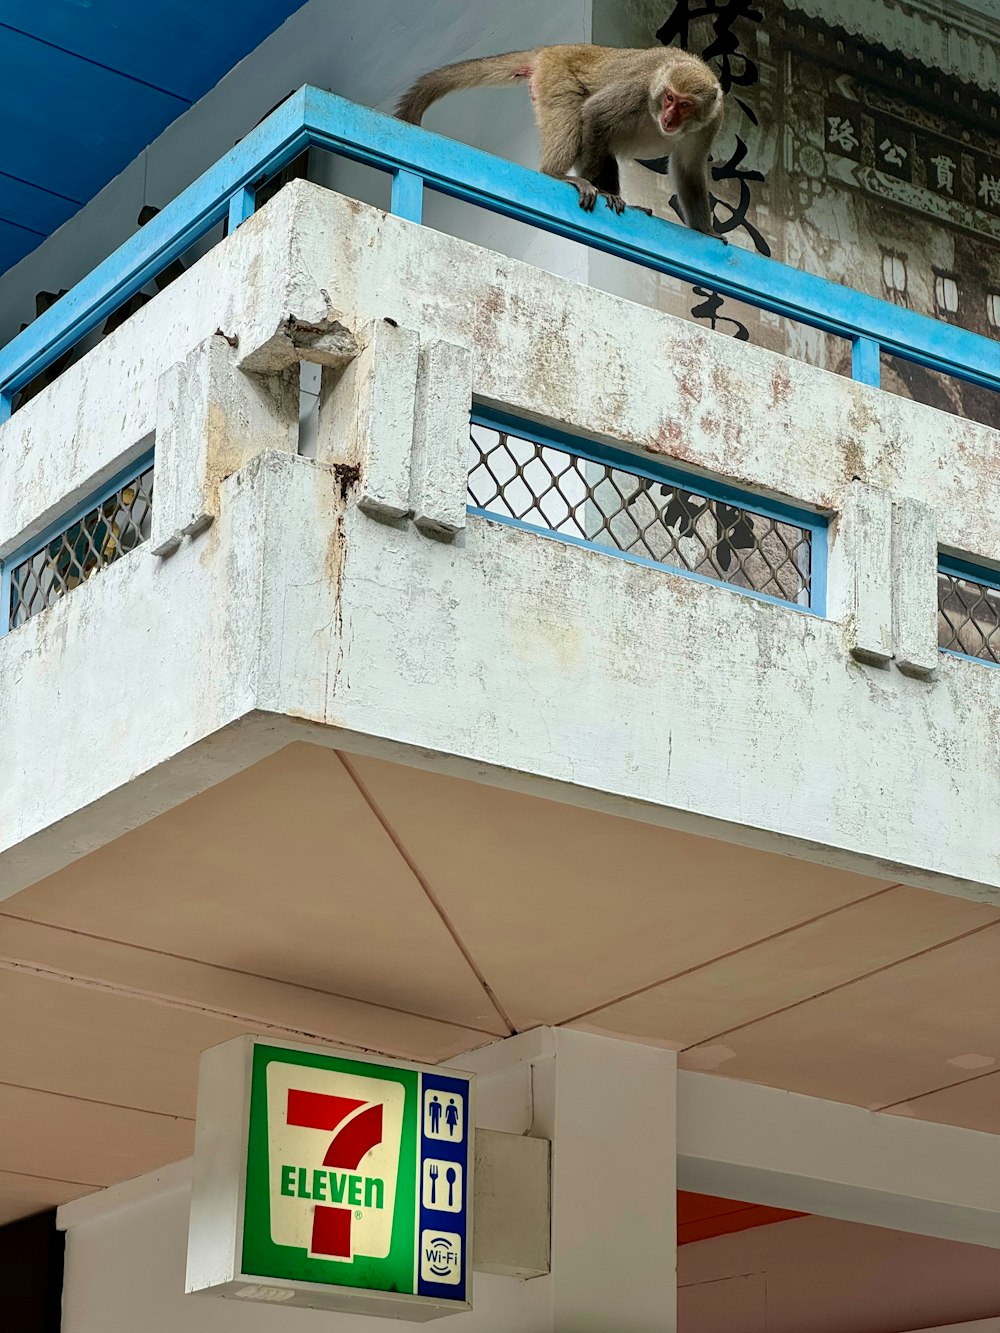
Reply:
x=501, y=655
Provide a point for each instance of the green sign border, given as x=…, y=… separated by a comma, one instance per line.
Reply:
x=262, y=1257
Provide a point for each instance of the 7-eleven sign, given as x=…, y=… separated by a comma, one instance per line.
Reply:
x=333, y=1160
x=349, y=1181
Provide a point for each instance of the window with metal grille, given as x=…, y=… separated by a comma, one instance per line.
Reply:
x=596, y=496
x=81, y=544
x=968, y=610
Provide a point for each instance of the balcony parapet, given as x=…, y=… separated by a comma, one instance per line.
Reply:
x=352, y=599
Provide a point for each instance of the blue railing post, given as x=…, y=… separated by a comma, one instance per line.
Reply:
x=241, y=206
x=866, y=361
x=6, y=406
x=407, y=196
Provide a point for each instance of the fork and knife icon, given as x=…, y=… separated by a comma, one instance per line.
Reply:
x=450, y=1176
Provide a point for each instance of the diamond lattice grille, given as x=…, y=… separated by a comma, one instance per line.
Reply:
x=557, y=491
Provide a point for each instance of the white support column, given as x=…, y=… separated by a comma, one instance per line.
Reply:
x=610, y=1116
x=608, y=1107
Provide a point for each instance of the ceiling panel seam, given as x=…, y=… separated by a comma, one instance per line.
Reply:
x=52, y=1180
x=843, y=985
x=47, y=973
x=421, y=879
x=96, y=1101
x=44, y=189
x=97, y=64
x=733, y=953
x=945, y=1087
x=32, y=231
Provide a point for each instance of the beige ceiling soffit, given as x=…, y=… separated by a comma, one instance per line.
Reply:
x=209, y=761
x=764, y=1145
x=426, y=889
x=252, y=1019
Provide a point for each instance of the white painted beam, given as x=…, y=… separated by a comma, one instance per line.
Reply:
x=744, y=1141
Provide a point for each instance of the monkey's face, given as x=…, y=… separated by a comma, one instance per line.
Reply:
x=675, y=110
x=686, y=102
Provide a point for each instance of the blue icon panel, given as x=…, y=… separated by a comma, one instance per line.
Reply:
x=443, y=1184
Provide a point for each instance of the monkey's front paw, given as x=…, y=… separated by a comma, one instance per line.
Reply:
x=614, y=201
x=586, y=192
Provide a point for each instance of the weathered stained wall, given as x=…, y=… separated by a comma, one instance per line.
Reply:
x=499, y=654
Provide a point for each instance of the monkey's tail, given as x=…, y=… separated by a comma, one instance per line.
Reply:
x=490, y=72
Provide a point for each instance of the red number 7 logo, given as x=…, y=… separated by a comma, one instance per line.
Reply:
x=331, y=1233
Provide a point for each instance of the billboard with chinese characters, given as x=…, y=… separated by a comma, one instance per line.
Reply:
x=327, y=1179
x=861, y=143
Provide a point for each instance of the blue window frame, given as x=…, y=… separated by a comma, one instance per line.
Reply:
x=80, y=543
x=968, y=598
x=635, y=508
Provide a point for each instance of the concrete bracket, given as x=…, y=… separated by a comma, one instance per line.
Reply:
x=367, y=418
x=439, y=479
x=511, y=1205
x=865, y=562
x=914, y=587
x=325, y=341
x=210, y=421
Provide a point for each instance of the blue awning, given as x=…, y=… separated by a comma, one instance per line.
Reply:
x=87, y=84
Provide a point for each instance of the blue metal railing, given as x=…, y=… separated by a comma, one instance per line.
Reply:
x=417, y=159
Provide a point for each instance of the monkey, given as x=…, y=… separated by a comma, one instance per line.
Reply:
x=595, y=105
